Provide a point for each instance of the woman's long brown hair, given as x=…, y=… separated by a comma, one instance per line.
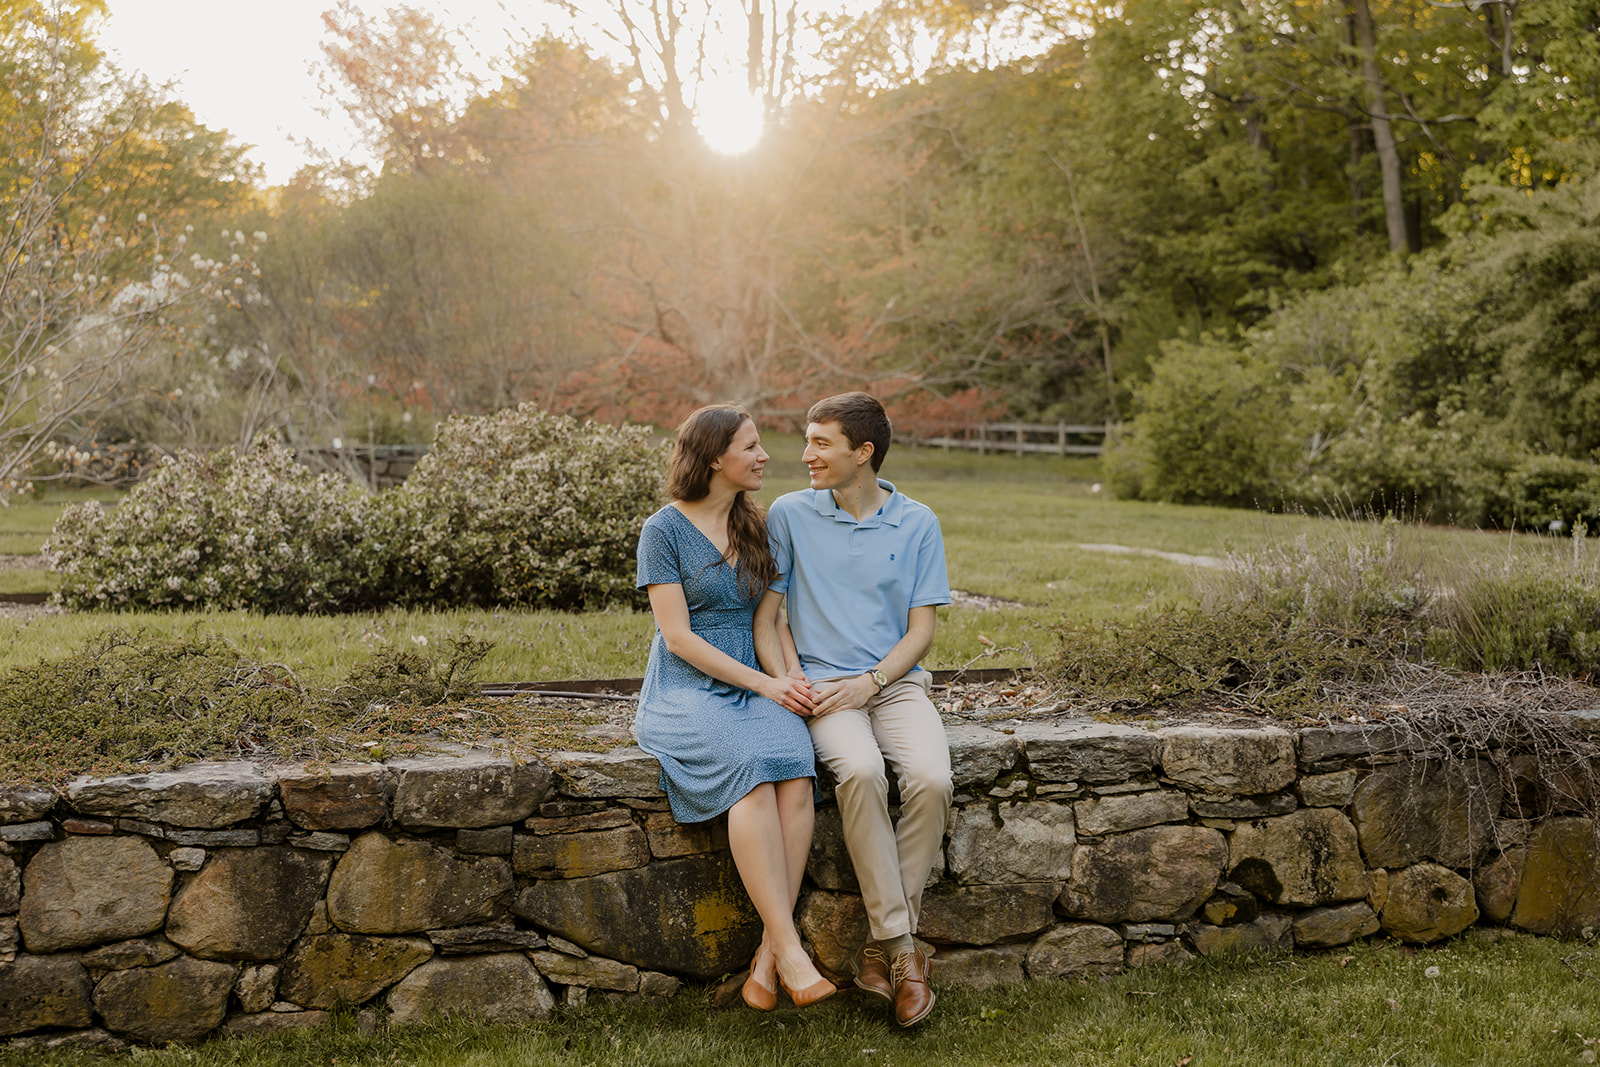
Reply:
x=702, y=437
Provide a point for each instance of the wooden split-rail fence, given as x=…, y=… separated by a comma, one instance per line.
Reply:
x=1056, y=438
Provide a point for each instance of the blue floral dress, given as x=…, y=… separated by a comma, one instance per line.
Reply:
x=715, y=742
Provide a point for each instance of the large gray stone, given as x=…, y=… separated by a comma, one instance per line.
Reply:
x=139, y=952
x=1338, y=925
x=24, y=803
x=40, y=991
x=248, y=904
x=205, y=796
x=344, y=796
x=1132, y=811
x=1332, y=790
x=579, y=855
x=1344, y=740
x=1427, y=902
x=1230, y=905
x=1303, y=859
x=1495, y=885
x=622, y=772
x=334, y=970
x=1019, y=841
x=88, y=890
x=10, y=887
x=1075, y=948
x=473, y=789
x=1158, y=954
x=182, y=1000
x=1163, y=873
x=835, y=924
x=1225, y=807
x=1086, y=751
x=93, y=1040
x=978, y=968
x=829, y=863
x=1560, y=887
x=1236, y=762
x=476, y=940
x=687, y=915
x=983, y=915
x=591, y=972
x=501, y=988
x=1427, y=810
x=1561, y=781
x=1268, y=933
x=382, y=886
x=978, y=755
x=256, y=988
x=670, y=838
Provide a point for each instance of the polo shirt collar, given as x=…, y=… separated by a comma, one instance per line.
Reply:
x=890, y=514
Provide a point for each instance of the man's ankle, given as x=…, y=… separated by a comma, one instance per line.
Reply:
x=894, y=946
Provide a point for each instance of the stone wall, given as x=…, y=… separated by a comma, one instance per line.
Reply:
x=168, y=906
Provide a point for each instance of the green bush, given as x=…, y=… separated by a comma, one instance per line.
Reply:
x=1211, y=428
x=519, y=507
x=230, y=530
x=1553, y=493
x=1297, y=626
x=524, y=507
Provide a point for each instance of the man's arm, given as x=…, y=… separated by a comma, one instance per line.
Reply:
x=769, y=647
x=855, y=691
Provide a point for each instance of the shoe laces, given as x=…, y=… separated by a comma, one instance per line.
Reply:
x=874, y=953
x=900, y=967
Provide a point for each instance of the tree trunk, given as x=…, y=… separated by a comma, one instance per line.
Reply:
x=1394, y=208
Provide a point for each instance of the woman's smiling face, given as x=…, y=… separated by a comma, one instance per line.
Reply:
x=742, y=463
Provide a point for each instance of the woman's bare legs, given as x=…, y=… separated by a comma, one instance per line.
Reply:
x=769, y=834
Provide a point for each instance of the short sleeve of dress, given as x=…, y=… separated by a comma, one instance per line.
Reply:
x=658, y=555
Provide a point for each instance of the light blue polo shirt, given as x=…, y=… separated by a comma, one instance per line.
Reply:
x=850, y=586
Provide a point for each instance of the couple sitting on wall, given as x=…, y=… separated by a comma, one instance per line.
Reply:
x=791, y=638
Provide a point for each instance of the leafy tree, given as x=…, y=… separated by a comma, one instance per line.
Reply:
x=96, y=265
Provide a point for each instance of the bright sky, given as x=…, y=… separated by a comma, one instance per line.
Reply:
x=245, y=65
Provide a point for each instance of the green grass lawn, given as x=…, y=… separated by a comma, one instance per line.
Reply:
x=1012, y=525
x=1507, y=1004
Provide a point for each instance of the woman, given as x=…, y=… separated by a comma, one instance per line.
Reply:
x=729, y=737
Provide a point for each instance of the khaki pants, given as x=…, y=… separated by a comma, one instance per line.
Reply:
x=900, y=727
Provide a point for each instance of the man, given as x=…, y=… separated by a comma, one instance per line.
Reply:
x=862, y=572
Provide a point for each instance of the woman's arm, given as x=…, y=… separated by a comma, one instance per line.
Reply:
x=672, y=618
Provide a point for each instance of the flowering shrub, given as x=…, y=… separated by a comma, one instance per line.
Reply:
x=524, y=507
x=252, y=530
x=519, y=507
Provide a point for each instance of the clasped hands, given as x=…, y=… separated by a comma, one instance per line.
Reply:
x=810, y=700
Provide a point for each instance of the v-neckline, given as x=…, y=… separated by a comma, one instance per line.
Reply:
x=703, y=535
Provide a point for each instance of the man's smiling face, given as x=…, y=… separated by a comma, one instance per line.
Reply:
x=829, y=458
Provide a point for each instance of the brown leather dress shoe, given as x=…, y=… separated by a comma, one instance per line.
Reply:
x=913, y=997
x=871, y=965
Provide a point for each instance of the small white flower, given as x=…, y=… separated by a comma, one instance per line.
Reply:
x=1431, y=972
x=418, y=639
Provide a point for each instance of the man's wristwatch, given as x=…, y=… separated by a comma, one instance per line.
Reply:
x=879, y=679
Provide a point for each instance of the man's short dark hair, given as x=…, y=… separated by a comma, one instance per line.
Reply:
x=862, y=419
